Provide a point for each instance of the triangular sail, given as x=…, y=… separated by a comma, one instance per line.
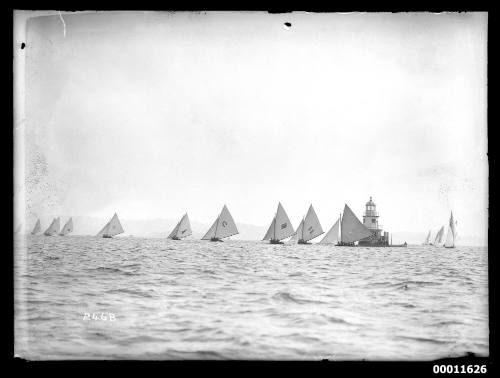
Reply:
x=351, y=228
x=53, y=228
x=18, y=229
x=428, y=238
x=450, y=237
x=68, y=227
x=226, y=226
x=332, y=236
x=174, y=231
x=298, y=234
x=37, y=227
x=183, y=228
x=439, y=236
x=103, y=231
x=112, y=228
x=270, y=231
x=280, y=227
x=311, y=228
x=211, y=231
x=223, y=226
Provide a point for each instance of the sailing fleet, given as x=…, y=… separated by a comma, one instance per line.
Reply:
x=451, y=235
x=346, y=230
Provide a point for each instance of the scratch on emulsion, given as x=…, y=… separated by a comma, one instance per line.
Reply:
x=64, y=24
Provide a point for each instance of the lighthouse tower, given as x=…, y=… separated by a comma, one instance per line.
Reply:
x=370, y=219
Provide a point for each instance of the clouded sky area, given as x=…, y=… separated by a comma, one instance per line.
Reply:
x=155, y=114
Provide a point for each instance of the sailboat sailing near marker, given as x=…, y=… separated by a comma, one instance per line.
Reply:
x=112, y=228
x=332, y=236
x=351, y=229
x=182, y=229
x=280, y=228
x=223, y=227
x=452, y=233
x=68, y=227
x=53, y=228
x=309, y=228
x=37, y=228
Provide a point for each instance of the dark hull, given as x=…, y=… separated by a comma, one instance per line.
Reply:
x=274, y=241
x=216, y=240
x=107, y=236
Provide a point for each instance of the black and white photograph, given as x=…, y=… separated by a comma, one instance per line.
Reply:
x=249, y=185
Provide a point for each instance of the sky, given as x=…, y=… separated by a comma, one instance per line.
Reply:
x=154, y=114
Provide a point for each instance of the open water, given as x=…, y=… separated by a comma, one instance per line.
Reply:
x=79, y=297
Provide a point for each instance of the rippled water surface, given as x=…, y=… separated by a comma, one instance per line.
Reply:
x=246, y=300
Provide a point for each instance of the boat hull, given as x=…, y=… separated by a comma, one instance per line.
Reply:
x=274, y=241
x=107, y=236
x=216, y=240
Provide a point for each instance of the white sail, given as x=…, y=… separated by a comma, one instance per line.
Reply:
x=68, y=227
x=37, y=227
x=183, y=228
x=351, y=229
x=332, y=236
x=312, y=228
x=211, y=231
x=103, y=231
x=428, y=238
x=450, y=237
x=281, y=227
x=174, y=231
x=439, y=236
x=270, y=231
x=223, y=226
x=298, y=234
x=18, y=229
x=112, y=228
x=53, y=228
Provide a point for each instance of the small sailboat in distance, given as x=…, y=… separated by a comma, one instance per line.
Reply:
x=37, y=228
x=309, y=228
x=112, y=228
x=68, y=227
x=332, y=236
x=223, y=227
x=182, y=230
x=351, y=229
x=427, y=239
x=452, y=233
x=53, y=228
x=439, y=237
x=280, y=228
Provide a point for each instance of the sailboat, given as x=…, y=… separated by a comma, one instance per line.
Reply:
x=439, y=237
x=223, y=227
x=332, y=236
x=427, y=239
x=182, y=230
x=351, y=229
x=112, y=228
x=68, y=227
x=452, y=233
x=37, y=228
x=280, y=228
x=309, y=228
x=53, y=228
